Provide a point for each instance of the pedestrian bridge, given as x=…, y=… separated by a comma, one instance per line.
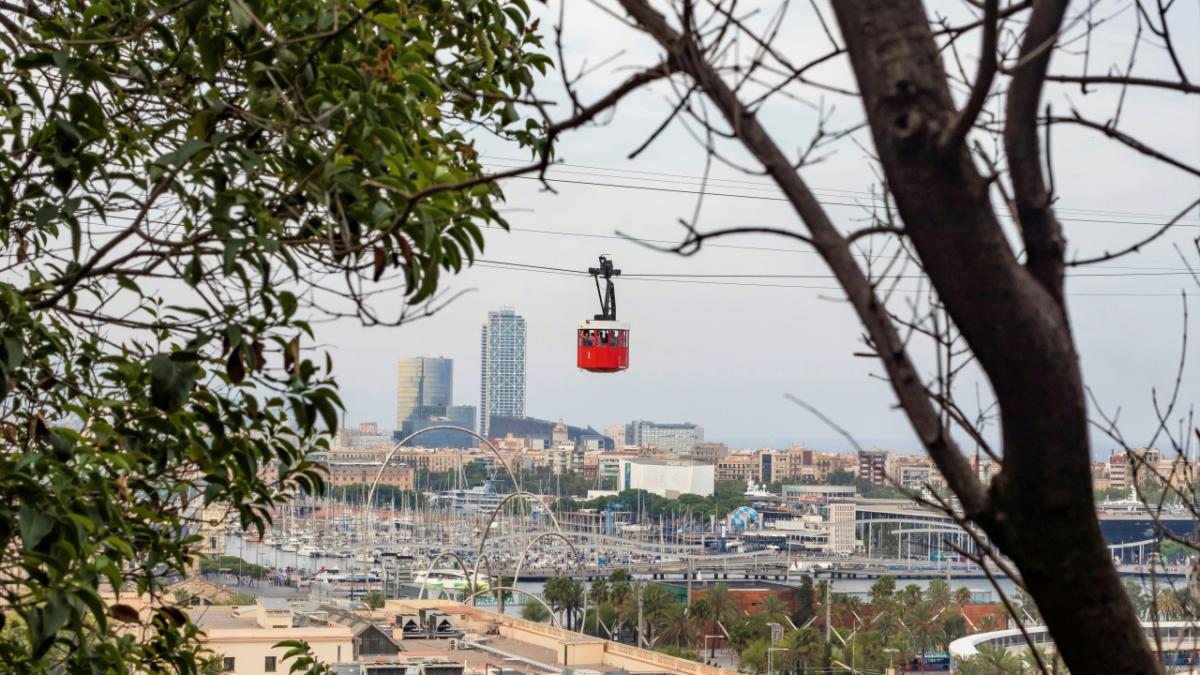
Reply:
x=1176, y=642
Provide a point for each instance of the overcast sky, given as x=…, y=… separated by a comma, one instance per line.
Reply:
x=724, y=355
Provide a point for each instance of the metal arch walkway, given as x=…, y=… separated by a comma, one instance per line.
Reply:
x=681, y=551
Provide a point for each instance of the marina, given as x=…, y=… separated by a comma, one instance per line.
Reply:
x=471, y=539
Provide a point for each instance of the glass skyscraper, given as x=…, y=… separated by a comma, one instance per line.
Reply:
x=422, y=382
x=502, y=376
x=678, y=438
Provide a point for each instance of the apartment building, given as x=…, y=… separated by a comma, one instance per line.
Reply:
x=874, y=466
x=739, y=466
x=400, y=476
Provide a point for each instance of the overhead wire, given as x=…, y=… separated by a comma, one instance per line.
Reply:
x=826, y=202
x=709, y=280
x=766, y=185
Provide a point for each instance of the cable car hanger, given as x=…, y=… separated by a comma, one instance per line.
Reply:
x=608, y=299
x=603, y=342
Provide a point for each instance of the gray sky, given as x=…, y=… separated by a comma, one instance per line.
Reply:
x=723, y=356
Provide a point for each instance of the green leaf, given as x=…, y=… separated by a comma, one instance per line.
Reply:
x=194, y=11
x=171, y=383
x=34, y=525
x=185, y=152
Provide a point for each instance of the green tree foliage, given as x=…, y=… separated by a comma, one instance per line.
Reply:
x=727, y=497
x=185, y=186
x=385, y=495
x=746, y=630
x=374, y=600
x=533, y=610
x=754, y=655
x=805, y=600
x=774, y=609
x=677, y=628
x=992, y=660
x=805, y=648
x=233, y=563
x=565, y=596
x=716, y=608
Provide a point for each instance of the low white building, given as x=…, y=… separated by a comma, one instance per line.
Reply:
x=667, y=477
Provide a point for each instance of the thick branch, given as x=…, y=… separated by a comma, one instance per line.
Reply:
x=957, y=133
x=1041, y=231
x=1010, y=315
x=832, y=246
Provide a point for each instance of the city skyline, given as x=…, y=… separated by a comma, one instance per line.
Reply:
x=764, y=338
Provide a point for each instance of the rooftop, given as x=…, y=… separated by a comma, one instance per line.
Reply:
x=664, y=462
x=534, y=647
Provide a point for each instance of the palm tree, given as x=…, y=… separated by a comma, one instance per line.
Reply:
x=619, y=587
x=754, y=655
x=992, y=660
x=910, y=595
x=722, y=607
x=679, y=630
x=700, y=613
x=962, y=597
x=938, y=594
x=503, y=596
x=746, y=630
x=988, y=623
x=1170, y=604
x=657, y=606
x=883, y=590
x=804, y=647
x=820, y=593
x=533, y=610
x=565, y=596
x=600, y=591
x=774, y=609
x=601, y=594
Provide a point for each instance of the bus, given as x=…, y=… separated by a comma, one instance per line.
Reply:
x=929, y=662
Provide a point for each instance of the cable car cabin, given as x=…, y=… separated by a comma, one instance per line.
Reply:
x=603, y=346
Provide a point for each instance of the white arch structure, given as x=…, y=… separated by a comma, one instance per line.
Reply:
x=492, y=519
x=367, y=540
x=424, y=592
x=525, y=552
x=437, y=427
x=553, y=616
x=487, y=530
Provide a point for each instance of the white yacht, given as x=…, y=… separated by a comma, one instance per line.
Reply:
x=448, y=579
x=310, y=551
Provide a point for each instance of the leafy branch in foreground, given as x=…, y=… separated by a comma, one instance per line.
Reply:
x=184, y=187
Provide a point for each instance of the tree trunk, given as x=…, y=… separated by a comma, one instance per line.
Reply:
x=1040, y=509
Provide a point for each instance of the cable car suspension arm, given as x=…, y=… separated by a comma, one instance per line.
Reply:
x=608, y=299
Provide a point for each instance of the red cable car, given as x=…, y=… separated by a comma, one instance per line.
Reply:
x=603, y=342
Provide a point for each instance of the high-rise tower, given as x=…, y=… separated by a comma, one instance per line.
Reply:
x=422, y=382
x=502, y=376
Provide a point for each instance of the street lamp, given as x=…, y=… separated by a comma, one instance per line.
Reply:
x=771, y=657
x=891, y=652
x=712, y=654
x=776, y=633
